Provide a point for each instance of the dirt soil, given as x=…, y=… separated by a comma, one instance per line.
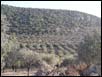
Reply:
x=9, y=72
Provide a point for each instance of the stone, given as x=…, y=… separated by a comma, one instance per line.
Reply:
x=90, y=70
x=94, y=74
x=98, y=68
x=81, y=66
x=71, y=71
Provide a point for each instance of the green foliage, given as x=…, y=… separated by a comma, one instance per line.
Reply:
x=9, y=51
x=4, y=23
x=90, y=49
x=31, y=37
x=13, y=58
x=60, y=53
x=11, y=44
x=2, y=62
x=67, y=62
x=29, y=57
x=51, y=59
x=67, y=59
x=40, y=21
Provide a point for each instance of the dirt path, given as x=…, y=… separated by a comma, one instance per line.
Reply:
x=18, y=73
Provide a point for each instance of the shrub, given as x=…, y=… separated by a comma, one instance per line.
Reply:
x=90, y=50
x=51, y=59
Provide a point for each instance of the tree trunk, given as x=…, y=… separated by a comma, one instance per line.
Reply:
x=28, y=71
x=15, y=69
x=3, y=70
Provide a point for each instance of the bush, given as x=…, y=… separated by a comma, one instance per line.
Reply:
x=66, y=62
x=90, y=50
x=51, y=59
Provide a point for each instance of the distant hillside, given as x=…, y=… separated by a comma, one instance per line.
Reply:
x=48, y=30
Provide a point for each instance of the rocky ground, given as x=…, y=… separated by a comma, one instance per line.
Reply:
x=72, y=70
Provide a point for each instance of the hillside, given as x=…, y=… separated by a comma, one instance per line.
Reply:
x=46, y=30
x=52, y=26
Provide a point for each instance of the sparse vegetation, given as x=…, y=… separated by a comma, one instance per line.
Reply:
x=90, y=49
x=46, y=39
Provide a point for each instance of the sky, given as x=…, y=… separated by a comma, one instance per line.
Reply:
x=90, y=7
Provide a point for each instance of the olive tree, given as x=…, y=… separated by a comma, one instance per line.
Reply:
x=51, y=59
x=90, y=49
x=28, y=58
x=12, y=59
x=10, y=50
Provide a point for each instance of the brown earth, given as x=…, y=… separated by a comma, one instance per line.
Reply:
x=9, y=72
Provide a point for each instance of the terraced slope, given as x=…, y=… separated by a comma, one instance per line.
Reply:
x=45, y=30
